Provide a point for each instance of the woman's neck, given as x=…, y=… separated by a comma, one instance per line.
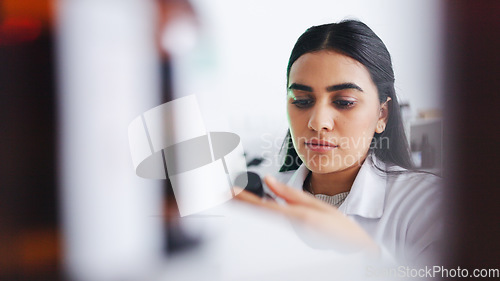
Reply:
x=335, y=182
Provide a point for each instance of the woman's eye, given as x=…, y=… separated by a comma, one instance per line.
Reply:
x=302, y=103
x=344, y=103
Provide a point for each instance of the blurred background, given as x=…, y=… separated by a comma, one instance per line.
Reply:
x=74, y=74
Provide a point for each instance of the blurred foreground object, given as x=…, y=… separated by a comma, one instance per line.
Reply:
x=29, y=229
x=471, y=132
x=108, y=74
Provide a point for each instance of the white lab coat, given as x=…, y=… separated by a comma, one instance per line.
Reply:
x=401, y=212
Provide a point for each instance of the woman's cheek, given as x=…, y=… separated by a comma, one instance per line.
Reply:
x=357, y=135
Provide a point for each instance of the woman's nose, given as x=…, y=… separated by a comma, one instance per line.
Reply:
x=321, y=119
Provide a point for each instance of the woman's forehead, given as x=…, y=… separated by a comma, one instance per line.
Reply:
x=328, y=67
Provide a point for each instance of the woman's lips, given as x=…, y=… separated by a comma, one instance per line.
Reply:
x=320, y=145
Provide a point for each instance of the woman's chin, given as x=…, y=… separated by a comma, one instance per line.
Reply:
x=322, y=169
x=330, y=166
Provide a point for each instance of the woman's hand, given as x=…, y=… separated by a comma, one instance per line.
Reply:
x=316, y=213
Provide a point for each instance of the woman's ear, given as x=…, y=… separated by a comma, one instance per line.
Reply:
x=383, y=116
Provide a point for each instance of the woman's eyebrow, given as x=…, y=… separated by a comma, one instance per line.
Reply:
x=343, y=86
x=332, y=88
x=300, y=87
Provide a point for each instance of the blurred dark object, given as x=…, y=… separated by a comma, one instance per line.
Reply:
x=255, y=162
x=178, y=240
x=253, y=185
x=29, y=229
x=471, y=133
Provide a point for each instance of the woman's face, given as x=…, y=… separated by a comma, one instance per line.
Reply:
x=333, y=111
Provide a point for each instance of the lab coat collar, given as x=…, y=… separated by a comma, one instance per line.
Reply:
x=367, y=195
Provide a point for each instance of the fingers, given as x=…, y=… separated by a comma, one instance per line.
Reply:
x=306, y=209
x=289, y=194
x=253, y=199
x=299, y=212
x=247, y=196
x=295, y=199
x=294, y=196
x=288, y=210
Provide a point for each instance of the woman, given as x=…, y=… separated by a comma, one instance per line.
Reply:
x=346, y=146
